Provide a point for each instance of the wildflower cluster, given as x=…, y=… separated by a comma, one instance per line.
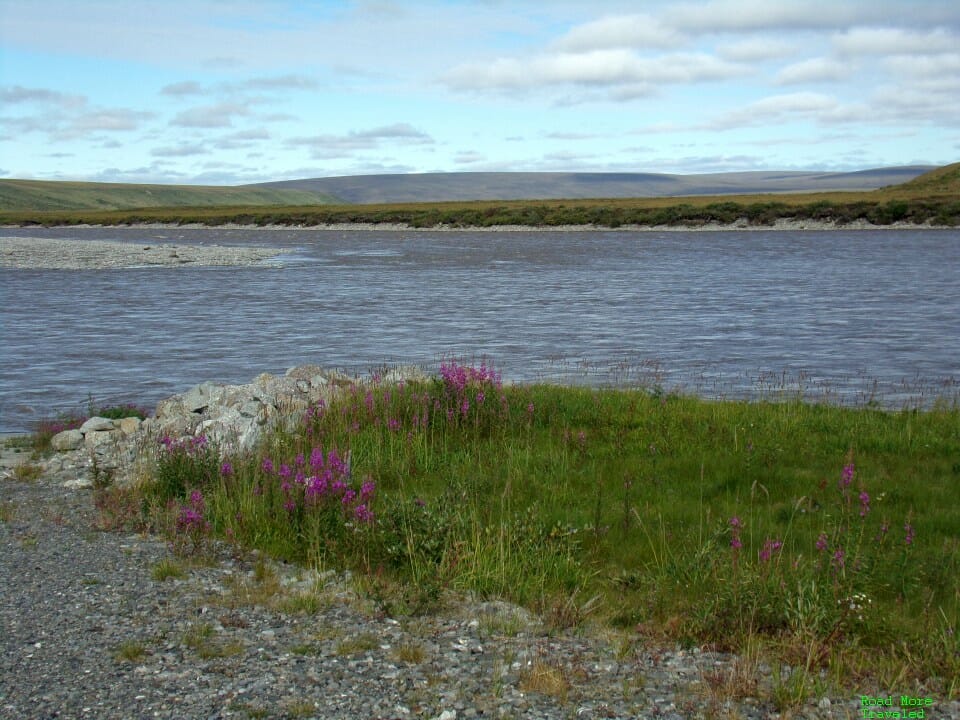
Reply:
x=318, y=483
x=184, y=463
x=192, y=529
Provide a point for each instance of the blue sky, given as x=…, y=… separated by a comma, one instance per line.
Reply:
x=236, y=91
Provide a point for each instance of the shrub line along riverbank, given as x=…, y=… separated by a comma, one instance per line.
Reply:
x=783, y=225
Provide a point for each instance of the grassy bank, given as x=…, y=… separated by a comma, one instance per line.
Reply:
x=931, y=198
x=817, y=537
x=756, y=210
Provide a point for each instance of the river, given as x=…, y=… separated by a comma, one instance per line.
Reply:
x=843, y=316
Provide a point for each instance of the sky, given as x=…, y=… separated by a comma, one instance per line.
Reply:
x=227, y=92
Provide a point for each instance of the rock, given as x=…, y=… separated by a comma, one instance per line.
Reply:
x=95, y=439
x=129, y=425
x=67, y=440
x=232, y=417
x=79, y=483
x=97, y=424
x=198, y=398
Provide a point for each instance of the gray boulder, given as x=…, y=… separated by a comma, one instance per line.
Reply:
x=97, y=424
x=67, y=440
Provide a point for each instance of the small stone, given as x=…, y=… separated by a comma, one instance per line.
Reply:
x=79, y=483
x=67, y=440
x=129, y=425
x=447, y=715
x=824, y=703
x=97, y=424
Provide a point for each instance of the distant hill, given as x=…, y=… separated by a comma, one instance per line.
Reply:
x=58, y=195
x=440, y=187
x=943, y=181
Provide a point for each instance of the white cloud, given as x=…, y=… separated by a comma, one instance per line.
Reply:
x=328, y=146
x=775, y=108
x=814, y=70
x=181, y=150
x=179, y=89
x=18, y=94
x=598, y=68
x=889, y=41
x=241, y=139
x=620, y=31
x=756, y=49
x=211, y=116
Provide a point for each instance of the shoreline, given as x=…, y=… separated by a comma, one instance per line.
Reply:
x=782, y=225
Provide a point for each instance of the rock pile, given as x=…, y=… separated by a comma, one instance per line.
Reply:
x=233, y=417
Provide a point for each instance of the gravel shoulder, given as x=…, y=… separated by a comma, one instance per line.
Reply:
x=88, y=630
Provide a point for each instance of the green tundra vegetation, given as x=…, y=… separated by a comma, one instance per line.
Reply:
x=809, y=535
x=931, y=198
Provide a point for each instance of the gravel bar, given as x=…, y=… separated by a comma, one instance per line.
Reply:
x=87, y=630
x=58, y=254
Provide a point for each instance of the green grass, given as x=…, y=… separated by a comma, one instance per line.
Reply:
x=60, y=196
x=932, y=197
x=617, y=507
x=167, y=569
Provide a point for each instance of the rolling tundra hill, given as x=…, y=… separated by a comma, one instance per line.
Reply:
x=441, y=187
x=61, y=195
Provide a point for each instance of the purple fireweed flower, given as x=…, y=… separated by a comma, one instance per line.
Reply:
x=464, y=406
x=480, y=398
x=348, y=497
x=285, y=486
x=338, y=486
x=769, y=547
x=196, y=500
x=226, y=469
x=298, y=461
x=393, y=424
x=846, y=477
x=285, y=471
x=822, y=542
x=317, y=486
x=838, y=558
x=884, y=529
x=735, y=526
x=257, y=490
x=864, y=504
x=363, y=514
x=529, y=408
x=368, y=401
x=290, y=506
x=267, y=465
x=908, y=534
x=299, y=478
x=316, y=458
x=366, y=490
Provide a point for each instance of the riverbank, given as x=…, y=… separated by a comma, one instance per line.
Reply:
x=39, y=253
x=780, y=225
x=628, y=524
